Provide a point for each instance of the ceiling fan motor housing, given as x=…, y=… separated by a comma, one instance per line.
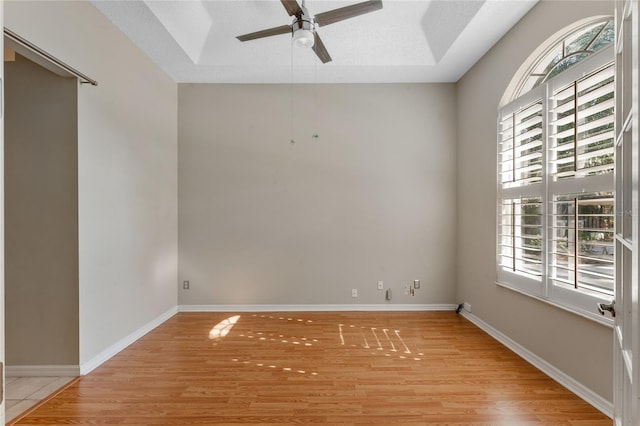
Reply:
x=303, y=29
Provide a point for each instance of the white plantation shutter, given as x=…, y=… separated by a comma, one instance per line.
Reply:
x=581, y=126
x=520, y=236
x=555, y=187
x=520, y=210
x=580, y=183
x=521, y=146
x=583, y=241
x=505, y=151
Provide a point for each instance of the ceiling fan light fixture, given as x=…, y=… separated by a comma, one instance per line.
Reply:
x=303, y=37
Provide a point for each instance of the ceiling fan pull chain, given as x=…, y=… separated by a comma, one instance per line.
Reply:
x=291, y=109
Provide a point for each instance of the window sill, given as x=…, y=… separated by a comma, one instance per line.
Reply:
x=593, y=316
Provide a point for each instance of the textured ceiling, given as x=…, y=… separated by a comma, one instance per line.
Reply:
x=406, y=41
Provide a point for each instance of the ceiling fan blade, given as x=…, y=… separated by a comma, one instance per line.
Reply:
x=321, y=51
x=292, y=6
x=284, y=29
x=337, y=15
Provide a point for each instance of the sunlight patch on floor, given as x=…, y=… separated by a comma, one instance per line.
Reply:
x=223, y=328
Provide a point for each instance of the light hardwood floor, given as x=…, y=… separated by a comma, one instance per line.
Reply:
x=330, y=368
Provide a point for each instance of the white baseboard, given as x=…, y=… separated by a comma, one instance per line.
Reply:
x=42, y=370
x=103, y=356
x=314, y=308
x=606, y=407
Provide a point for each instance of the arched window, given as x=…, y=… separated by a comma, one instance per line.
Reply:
x=555, y=171
x=573, y=48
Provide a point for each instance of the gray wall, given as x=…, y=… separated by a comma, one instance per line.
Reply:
x=41, y=216
x=579, y=347
x=127, y=175
x=263, y=221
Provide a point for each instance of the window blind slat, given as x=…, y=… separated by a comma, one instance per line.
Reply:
x=594, y=78
x=600, y=137
x=562, y=134
x=604, y=121
x=588, y=95
x=525, y=136
x=604, y=107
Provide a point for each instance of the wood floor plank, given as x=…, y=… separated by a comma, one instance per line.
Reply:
x=331, y=368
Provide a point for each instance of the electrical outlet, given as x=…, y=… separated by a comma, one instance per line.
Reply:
x=416, y=284
x=407, y=291
x=467, y=306
x=354, y=292
x=185, y=285
x=380, y=285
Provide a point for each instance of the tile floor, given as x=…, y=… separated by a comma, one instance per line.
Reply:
x=23, y=393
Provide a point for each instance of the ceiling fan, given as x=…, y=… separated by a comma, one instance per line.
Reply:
x=303, y=27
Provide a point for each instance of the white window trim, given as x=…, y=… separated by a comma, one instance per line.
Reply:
x=582, y=303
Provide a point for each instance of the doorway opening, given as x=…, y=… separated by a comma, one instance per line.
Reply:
x=41, y=232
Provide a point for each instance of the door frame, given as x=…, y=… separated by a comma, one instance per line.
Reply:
x=626, y=336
